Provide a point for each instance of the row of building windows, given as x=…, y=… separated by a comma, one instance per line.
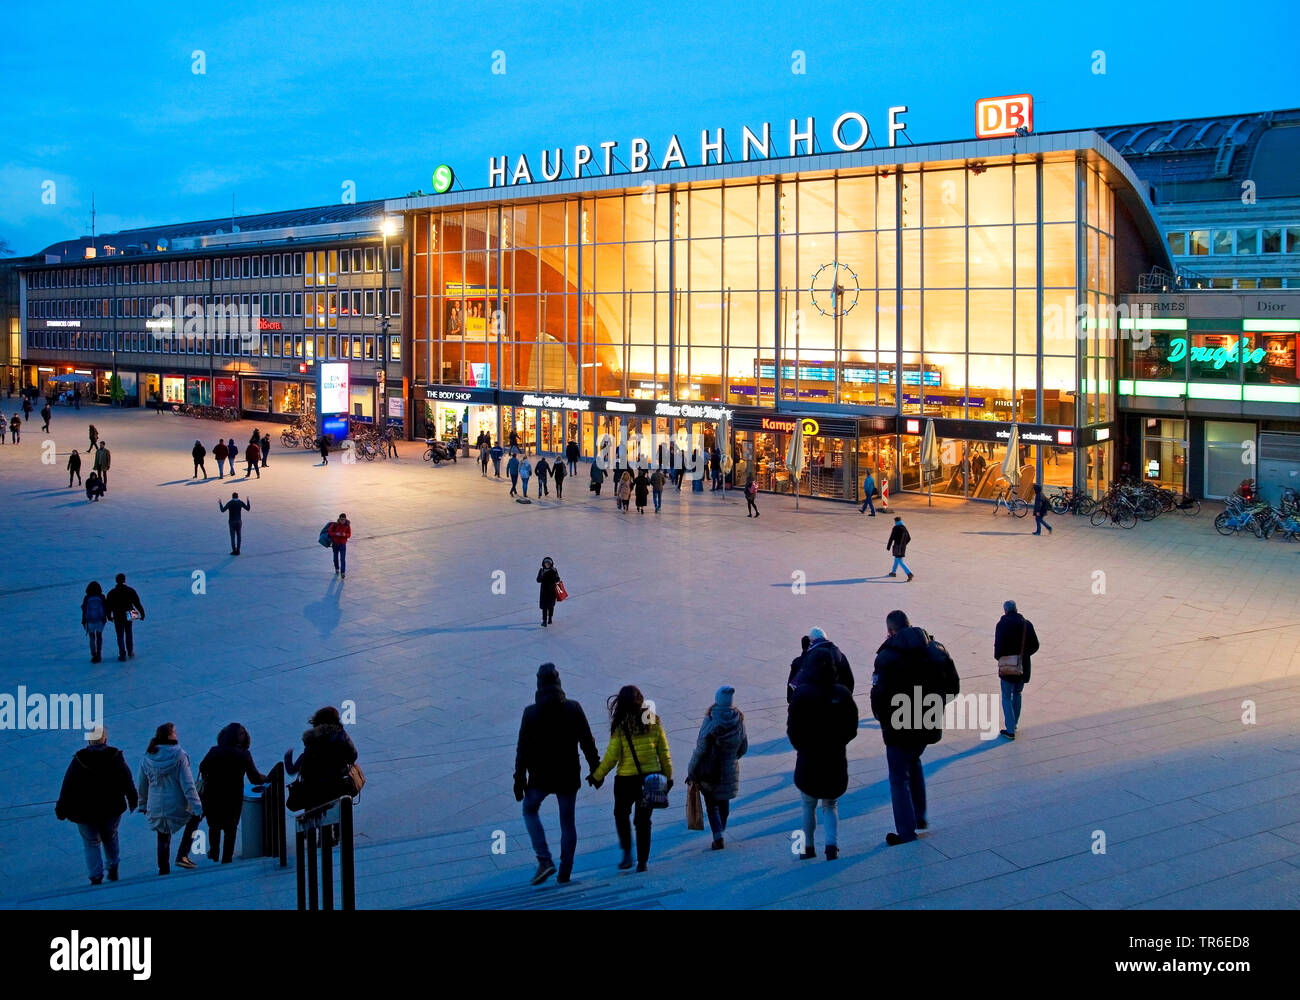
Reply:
x=348, y=303
x=265, y=345
x=1240, y=242
x=322, y=267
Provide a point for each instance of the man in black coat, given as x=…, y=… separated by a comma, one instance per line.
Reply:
x=551, y=733
x=97, y=789
x=821, y=722
x=895, y=686
x=224, y=769
x=572, y=453
x=897, y=545
x=121, y=601
x=1014, y=636
x=819, y=647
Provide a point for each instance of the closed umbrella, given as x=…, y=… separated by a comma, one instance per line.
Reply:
x=1011, y=463
x=929, y=459
x=794, y=459
x=724, y=446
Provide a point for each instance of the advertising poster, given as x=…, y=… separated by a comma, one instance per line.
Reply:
x=334, y=388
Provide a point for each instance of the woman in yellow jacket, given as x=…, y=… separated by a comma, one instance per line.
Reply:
x=636, y=737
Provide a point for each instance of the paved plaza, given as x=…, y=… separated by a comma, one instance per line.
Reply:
x=1156, y=644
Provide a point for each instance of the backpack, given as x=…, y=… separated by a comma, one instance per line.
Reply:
x=324, y=538
x=938, y=672
x=96, y=610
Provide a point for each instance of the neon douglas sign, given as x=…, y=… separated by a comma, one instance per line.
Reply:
x=1218, y=356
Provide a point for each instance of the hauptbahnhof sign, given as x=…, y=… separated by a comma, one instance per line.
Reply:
x=849, y=132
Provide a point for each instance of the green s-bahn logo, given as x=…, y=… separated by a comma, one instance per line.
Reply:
x=443, y=178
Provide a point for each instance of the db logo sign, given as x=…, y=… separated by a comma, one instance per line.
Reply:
x=999, y=116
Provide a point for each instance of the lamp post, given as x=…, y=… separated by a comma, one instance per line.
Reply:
x=388, y=228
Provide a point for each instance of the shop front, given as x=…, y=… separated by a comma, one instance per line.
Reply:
x=838, y=451
x=441, y=410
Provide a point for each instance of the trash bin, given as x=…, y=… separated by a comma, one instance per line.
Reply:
x=251, y=822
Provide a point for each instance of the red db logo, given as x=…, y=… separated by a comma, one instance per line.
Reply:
x=999, y=116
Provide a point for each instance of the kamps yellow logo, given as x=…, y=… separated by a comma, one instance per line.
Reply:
x=810, y=426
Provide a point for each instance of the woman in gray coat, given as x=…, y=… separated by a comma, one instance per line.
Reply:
x=715, y=765
x=168, y=798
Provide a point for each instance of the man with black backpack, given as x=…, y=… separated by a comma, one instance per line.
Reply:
x=914, y=678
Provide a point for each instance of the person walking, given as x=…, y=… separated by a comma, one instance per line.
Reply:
x=45, y=416
x=543, y=471
x=624, y=492
x=657, y=481
x=558, y=473
x=74, y=467
x=323, y=445
x=895, y=682
x=1014, y=642
x=897, y=544
x=597, y=477
x=219, y=452
x=637, y=747
x=168, y=797
x=327, y=754
x=103, y=458
x=199, y=452
x=552, y=733
x=232, y=455
x=256, y=438
x=252, y=460
x=751, y=494
x=1041, y=507
x=549, y=579
x=868, y=491
x=27, y=408
x=820, y=647
x=496, y=453
x=390, y=439
x=512, y=470
x=642, y=486
x=94, y=615
x=15, y=429
x=97, y=789
x=264, y=446
x=234, y=508
x=525, y=473
x=483, y=455
x=223, y=770
x=339, y=533
x=715, y=764
x=715, y=460
x=124, y=608
x=94, y=436
x=821, y=721
x=76, y=398
x=571, y=455
x=94, y=487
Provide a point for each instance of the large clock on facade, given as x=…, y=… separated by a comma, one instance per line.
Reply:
x=834, y=289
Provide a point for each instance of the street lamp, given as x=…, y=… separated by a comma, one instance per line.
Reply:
x=387, y=228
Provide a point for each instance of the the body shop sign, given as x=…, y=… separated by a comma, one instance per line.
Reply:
x=334, y=390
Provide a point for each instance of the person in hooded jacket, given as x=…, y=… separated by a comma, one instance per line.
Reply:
x=552, y=732
x=168, y=797
x=894, y=682
x=641, y=484
x=327, y=753
x=199, y=452
x=97, y=790
x=597, y=477
x=795, y=666
x=224, y=769
x=819, y=646
x=74, y=467
x=558, y=474
x=715, y=764
x=549, y=578
x=822, y=720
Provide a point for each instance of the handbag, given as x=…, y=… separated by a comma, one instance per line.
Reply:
x=694, y=807
x=294, y=799
x=560, y=593
x=1012, y=667
x=654, y=787
x=356, y=778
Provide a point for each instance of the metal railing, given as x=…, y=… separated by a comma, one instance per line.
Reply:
x=274, y=836
x=316, y=829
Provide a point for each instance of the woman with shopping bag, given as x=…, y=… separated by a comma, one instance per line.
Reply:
x=552, y=590
x=715, y=765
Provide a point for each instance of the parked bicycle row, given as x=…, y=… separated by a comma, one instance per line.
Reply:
x=1262, y=519
x=227, y=413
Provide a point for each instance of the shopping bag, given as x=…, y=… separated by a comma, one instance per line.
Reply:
x=560, y=592
x=694, y=808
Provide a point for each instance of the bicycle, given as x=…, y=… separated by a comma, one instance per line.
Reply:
x=289, y=439
x=1068, y=501
x=1237, y=517
x=1014, y=504
x=1115, y=510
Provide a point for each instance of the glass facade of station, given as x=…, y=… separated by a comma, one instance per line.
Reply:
x=946, y=290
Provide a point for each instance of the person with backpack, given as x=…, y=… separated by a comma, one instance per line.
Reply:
x=219, y=452
x=552, y=732
x=74, y=467
x=821, y=721
x=1041, y=507
x=234, y=509
x=715, y=764
x=97, y=789
x=327, y=756
x=94, y=615
x=905, y=669
x=751, y=494
x=1014, y=642
x=339, y=533
x=638, y=749
x=222, y=772
x=558, y=473
x=199, y=452
x=897, y=544
x=121, y=603
x=525, y=473
x=868, y=491
x=168, y=796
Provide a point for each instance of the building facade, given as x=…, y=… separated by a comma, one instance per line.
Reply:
x=851, y=297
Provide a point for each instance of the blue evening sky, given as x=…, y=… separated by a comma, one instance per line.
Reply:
x=300, y=98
